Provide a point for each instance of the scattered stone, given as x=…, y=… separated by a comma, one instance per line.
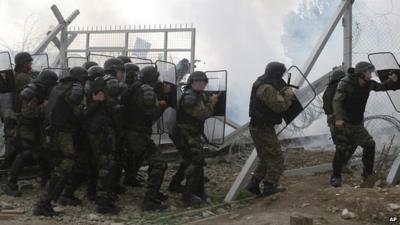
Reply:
x=93, y=217
x=172, y=208
x=59, y=209
x=393, y=206
x=299, y=219
x=249, y=217
x=221, y=211
x=13, y=211
x=207, y=213
x=6, y=205
x=305, y=205
x=234, y=216
x=347, y=215
x=332, y=209
x=117, y=224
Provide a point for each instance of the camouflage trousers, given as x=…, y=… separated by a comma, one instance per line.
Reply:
x=348, y=137
x=30, y=144
x=271, y=161
x=190, y=147
x=349, y=153
x=65, y=147
x=140, y=147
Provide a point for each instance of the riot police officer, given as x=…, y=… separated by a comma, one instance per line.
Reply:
x=141, y=110
x=194, y=107
x=349, y=105
x=30, y=128
x=270, y=98
x=64, y=112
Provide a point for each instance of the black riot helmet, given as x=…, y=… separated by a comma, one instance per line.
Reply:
x=197, y=76
x=124, y=59
x=47, y=78
x=149, y=75
x=89, y=64
x=22, y=58
x=363, y=67
x=131, y=72
x=111, y=65
x=275, y=70
x=95, y=71
x=77, y=73
x=98, y=84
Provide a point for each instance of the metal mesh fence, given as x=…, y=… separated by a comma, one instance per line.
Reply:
x=169, y=44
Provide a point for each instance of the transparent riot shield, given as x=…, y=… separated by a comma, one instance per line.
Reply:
x=40, y=62
x=98, y=58
x=7, y=93
x=214, y=127
x=142, y=65
x=304, y=95
x=168, y=93
x=73, y=61
x=7, y=82
x=385, y=64
x=139, y=60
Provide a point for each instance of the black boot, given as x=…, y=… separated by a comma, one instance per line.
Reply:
x=11, y=189
x=69, y=200
x=91, y=192
x=270, y=189
x=43, y=206
x=43, y=209
x=190, y=196
x=254, y=186
x=175, y=186
x=105, y=205
x=151, y=203
x=162, y=197
x=191, y=199
x=336, y=181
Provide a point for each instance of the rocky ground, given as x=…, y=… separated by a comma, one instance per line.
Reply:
x=310, y=196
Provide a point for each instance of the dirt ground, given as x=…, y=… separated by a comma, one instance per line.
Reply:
x=310, y=196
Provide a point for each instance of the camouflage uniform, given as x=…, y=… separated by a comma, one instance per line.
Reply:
x=265, y=139
x=141, y=110
x=114, y=91
x=327, y=97
x=101, y=140
x=30, y=129
x=21, y=80
x=65, y=109
x=268, y=102
x=194, y=108
x=349, y=105
x=10, y=121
